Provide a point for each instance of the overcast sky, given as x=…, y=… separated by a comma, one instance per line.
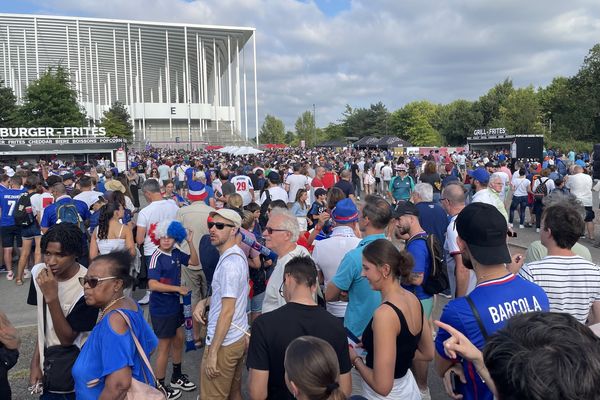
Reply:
x=337, y=52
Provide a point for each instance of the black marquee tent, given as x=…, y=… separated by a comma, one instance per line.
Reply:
x=367, y=141
x=387, y=142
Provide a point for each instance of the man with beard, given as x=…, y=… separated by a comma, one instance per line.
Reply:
x=498, y=295
x=222, y=361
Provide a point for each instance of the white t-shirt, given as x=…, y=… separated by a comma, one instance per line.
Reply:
x=451, y=249
x=229, y=281
x=69, y=293
x=571, y=283
x=180, y=171
x=151, y=214
x=296, y=182
x=520, y=186
x=580, y=186
x=273, y=299
x=549, y=184
x=277, y=193
x=243, y=184
x=378, y=167
x=88, y=197
x=328, y=255
x=39, y=202
x=386, y=173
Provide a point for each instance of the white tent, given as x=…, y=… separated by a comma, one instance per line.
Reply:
x=242, y=151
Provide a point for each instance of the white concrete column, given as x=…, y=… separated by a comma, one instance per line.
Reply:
x=255, y=88
x=116, y=67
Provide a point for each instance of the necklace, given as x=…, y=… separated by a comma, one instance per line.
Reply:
x=112, y=303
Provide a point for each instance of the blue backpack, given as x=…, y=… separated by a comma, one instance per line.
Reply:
x=67, y=212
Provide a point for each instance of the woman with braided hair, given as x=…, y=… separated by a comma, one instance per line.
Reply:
x=111, y=235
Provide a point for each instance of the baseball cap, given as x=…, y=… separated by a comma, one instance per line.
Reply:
x=228, y=188
x=345, y=211
x=484, y=229
x=274, y=177
x=401, y=167
x=228, y=214
x=320, y=192
x=480, y=174
x=405, y=208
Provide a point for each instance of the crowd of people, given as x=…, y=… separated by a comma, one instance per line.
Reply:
x=316, y=271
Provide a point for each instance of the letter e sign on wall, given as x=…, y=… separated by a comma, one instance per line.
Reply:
x=173, y=111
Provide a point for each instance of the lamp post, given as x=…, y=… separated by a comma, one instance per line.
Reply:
x=314, y=126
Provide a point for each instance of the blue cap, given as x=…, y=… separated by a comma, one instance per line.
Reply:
x=480, y=174
x=345, y=211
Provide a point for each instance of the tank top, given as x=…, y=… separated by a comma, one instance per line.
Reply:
x=106, y=246
x=406, y=343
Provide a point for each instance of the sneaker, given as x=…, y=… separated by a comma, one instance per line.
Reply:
x=26, y=274
x=521, y=227
x=10, y=275
x=146, y=299
x=425, y=395
x=537, y=230
x=171, y=393
x=183, y=383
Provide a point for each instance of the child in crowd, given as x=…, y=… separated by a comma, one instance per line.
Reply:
x=317, y=207
x=166, y=310
x=300, y=209
x=254, y=208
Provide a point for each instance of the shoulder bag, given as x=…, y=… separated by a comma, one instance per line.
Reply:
x=138, y=390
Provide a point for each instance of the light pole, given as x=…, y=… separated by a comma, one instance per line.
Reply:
x=314, y=126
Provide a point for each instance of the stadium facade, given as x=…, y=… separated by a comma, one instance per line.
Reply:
x=182, y=83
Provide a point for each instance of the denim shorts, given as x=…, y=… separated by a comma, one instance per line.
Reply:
x=31, y=231
x=256, y=302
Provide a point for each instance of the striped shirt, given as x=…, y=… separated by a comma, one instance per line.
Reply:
x=571, y=283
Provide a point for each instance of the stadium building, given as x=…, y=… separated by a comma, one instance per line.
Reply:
x=183, y=84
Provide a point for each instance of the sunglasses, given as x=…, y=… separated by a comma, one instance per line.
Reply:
x=271, y=230
x=281, y=287
x=93, y=281
x=218, y=225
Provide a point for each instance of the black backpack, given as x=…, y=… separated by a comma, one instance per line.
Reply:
x=264, y=208
x=541, y=190
x=23, y=214
x=437, y=281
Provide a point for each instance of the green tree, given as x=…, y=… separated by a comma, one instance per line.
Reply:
x=306, y=129
x=372, y=121
x=521, y=112
x=51, y=101
x=290, y=138
x=457, y=121
x=333, y=131
x=8, y=107
x=117, y=121
x=272, y=130
x=417, y=122
x=489, y=104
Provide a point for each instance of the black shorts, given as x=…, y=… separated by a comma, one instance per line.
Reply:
x=9, y=234
x=377, y=180
x=589, y=214
x=165, y=327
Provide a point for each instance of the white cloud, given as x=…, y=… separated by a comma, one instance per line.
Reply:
x=388, y=50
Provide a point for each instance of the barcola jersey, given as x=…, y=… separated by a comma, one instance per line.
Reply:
x=243, y=185
x=8, y=202
x=166, y=268
x=496, y=301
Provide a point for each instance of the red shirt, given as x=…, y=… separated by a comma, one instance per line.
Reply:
x=317, y=183
x=330, y=179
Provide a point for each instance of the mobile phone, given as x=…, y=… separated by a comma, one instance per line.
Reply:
x=455, y=381
x=205, y=315
x=511, y=234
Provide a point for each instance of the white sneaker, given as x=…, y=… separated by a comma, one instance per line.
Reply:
x=26, y=274
x=425, y=395
x=521, y=227
x=146, y=299
x=537, y=230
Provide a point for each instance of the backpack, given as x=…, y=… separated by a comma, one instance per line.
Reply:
x=67, y=212
x=264, y=208
x=541, y=190
x=23, y=214
x=437, y=281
